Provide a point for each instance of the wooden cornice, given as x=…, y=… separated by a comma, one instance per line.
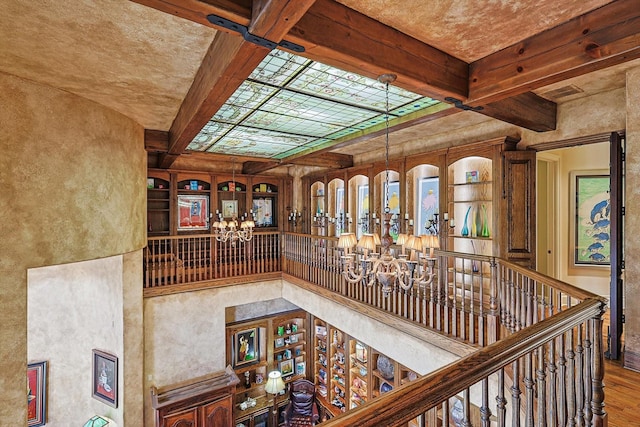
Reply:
x=598, y=39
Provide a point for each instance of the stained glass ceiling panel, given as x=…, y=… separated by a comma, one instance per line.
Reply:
x=290, y=105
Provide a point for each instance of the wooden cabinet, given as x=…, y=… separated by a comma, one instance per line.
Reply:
x=358, y=373
x=290, y=346
x=202, y=402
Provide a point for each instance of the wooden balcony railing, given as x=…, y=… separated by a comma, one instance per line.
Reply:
x=541, y=337
x=176, y=260
x=540, y=347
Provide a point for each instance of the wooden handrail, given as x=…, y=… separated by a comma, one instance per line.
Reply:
x=403, y=404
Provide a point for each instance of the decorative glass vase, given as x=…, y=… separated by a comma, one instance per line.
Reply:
x=474, y=223
x=485, y=222
x=465, y=228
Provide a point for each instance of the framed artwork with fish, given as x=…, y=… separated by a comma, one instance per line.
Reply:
x=591, y=218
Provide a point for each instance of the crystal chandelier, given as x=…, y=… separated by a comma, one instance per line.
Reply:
x=389, y=271
x=228, y=230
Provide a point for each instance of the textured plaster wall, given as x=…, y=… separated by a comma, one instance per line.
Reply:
x=632, y=222
x=74, y=308
x=73, y=189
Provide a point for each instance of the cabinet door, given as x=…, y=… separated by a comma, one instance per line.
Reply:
x=182, y=419
x=519, y=230
x=218, y=413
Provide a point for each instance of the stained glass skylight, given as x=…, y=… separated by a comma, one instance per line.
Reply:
x=290, y=105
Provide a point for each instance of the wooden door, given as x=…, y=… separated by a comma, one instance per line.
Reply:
x=180, y=419
x=218, y=413
x=518, y=219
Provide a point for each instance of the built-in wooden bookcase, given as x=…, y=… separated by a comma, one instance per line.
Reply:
x=158, y=204
x=358, y=373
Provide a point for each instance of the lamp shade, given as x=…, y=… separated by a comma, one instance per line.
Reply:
x=367, y=242
x=98, y=421
x=376, y=239
x=402, y=239
x=274, y=384
x=347, y=240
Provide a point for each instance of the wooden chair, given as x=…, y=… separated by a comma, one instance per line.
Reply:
x=302, y=410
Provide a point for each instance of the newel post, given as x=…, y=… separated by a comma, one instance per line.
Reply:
x=600, y=418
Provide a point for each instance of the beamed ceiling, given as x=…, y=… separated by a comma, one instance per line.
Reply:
x=165, y=65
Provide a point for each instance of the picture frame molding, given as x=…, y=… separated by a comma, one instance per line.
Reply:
x=229, y=208
x=112, y=360
x=574, y=221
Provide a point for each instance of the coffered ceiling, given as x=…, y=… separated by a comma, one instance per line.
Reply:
x=164, y=64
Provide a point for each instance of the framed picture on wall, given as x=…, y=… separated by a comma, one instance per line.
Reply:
x=193, y=212
x=37, y=394
x=229, y=208
x=427, y=203
x=286, y=367
x=246, y=347
x=591, y=221
x=105, y=378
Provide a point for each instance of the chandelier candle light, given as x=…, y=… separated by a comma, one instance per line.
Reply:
x=367, y=266
x=228, y=230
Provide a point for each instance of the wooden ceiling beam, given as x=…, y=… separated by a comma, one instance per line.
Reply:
x=601, y=38
x=228, y=61
x=336, y=35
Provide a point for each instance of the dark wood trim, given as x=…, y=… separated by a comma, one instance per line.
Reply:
x=598, y=39
x=616, y=291
x=156, y=140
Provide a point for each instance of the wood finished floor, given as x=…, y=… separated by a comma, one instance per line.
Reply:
x=621, y=395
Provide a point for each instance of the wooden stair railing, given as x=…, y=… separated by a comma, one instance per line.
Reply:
x=485, y=369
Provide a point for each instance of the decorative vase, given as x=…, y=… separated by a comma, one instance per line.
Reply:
x=474, y=223
x=485, y=222
x=465, y=228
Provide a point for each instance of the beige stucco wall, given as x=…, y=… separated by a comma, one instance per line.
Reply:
x=72, y=309
x=73, y=188
x=632, y=221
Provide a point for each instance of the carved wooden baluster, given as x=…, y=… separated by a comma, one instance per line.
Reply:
x=541, y=387
x=588, y=415
x=571, y=380
x=485, y=411
x=515, y=394
x=445, y=413
x=562, y=376
x=552, y=409
x=453, y=302
x=528, y=386
x=579, y=378
x=501, y=401
x=597, y=403
x=466, y=402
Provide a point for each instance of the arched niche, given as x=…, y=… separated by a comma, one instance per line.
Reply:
x=422, y=196
x=336, y=206
x=318, y=208
x=392, y=197
x=358, y=203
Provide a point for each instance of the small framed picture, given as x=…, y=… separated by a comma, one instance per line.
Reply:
x=300, y=368
x=230, y=208
x=246, y=347
x=473, y=176
x=105, y=378
x=37, y=394
x=279, y=342
x=286, y=367
x=293, y=339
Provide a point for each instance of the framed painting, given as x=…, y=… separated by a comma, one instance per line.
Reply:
x=286, y=367
x=193, y=212
x=246, y=347
x=591, y=218
x=263, y=211
x=427, y=203
x=229, y=208
x=105, y=378
x=37, y=394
